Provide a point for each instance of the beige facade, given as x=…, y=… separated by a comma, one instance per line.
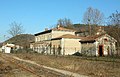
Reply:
x=68, y=46
x=59, y=33
x=99, y=45
x=52, y=34
x=43, y=37
x=48, y=42
x=62, y=41
x=71, y=46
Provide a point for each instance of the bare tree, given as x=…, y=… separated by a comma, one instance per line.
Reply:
x=65, y=22
x=15, y=29
x=114, y=19
x=114, y=26
x=93, y=17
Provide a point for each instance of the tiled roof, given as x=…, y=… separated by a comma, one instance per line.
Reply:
x=68, y=36
x=62, y=29
x=57, y=28
x=46, y=31
x=91, y=38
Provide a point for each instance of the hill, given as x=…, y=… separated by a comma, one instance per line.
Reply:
x=22, y=40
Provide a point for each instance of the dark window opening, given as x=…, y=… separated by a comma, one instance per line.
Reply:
x=101, y=50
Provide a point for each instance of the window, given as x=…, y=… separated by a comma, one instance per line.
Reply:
x=105, y=39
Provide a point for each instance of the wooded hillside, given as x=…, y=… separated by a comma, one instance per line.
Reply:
x=22, y=40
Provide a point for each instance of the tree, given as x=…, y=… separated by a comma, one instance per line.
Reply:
x=15, y=29
x=114, y=19
x=65, y=23
x=93, y=17
x=114, y=26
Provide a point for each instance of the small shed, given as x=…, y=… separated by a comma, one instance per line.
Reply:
x=7, y=48
x=98, y=45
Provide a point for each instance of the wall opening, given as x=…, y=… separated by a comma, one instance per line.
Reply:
x=100, y=50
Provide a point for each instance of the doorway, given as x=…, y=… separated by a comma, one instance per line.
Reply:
x=100, y=50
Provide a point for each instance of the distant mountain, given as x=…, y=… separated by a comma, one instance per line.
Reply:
x=22, y=40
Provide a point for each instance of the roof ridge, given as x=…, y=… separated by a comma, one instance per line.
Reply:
x=68, y=36
x=62, y=28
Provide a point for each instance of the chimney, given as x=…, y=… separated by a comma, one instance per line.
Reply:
x=100, y=30
x=46, y=29
x=58, y=26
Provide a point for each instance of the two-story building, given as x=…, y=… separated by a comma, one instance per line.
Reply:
x=57, y=41
x=63, y=41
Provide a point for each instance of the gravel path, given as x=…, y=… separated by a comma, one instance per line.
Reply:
x=50, y=68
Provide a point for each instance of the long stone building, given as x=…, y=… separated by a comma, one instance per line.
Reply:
x=63, y=41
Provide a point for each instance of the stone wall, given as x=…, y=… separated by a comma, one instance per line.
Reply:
x=71, y=46
x=88, y=49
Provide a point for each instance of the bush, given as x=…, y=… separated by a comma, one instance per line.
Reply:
x=27, y=50
x=77, y=54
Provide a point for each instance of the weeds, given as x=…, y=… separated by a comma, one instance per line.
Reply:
x=91, y=66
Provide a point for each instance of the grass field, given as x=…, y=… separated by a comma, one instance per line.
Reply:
x=90, y=66
x=11, y=67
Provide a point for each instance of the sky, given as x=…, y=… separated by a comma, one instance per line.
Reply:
x=36, y=15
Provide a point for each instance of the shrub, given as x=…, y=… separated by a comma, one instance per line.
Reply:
x=77, y=54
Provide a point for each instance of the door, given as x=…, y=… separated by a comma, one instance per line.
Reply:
x=100, y=50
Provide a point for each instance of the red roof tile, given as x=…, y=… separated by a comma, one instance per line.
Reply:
x=91, y=38
x=62, y=29
x=68, y=36
x=57, y=28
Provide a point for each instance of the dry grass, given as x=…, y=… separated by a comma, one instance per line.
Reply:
x=11, y=69
x=76, y=64
x=8, y=70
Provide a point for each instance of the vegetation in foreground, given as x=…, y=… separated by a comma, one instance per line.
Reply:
x=91, y=66
x=10, y=67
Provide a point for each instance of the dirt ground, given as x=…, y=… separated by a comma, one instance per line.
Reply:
x=9, y=70
x=93, y=68
x=22, y=69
